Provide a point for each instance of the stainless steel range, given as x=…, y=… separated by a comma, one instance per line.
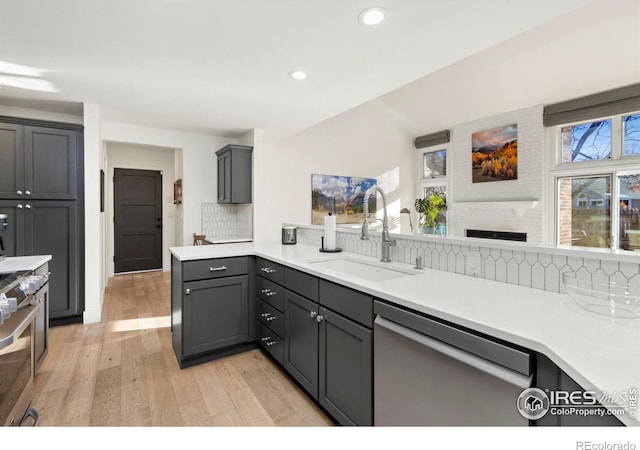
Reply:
x=18, y=309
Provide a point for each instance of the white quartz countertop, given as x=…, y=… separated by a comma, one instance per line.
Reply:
x=19, y=263
x=599, y=353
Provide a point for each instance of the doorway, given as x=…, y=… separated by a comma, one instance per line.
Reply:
x=137, y=205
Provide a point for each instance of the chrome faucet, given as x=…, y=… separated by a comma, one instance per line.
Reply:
x=386, y=239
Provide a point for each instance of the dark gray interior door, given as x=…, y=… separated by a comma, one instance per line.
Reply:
x=137, y=220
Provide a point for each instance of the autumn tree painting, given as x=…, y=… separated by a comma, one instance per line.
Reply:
x=494, y=154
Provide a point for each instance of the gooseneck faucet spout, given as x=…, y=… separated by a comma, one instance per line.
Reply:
x=386, y=239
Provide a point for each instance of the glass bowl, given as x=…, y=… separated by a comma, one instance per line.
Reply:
x=609, y=299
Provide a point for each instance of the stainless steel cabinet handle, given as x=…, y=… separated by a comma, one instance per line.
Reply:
x=268, y=270
x=265, y=314
x=312, y=314
x=269, y=294
x=19, y=192
x=19, y=206
x=266, y=338
x=319, y=318
x=188, y=291
x=27, y=192
x=269, y=344
x=217, y=269
x=269, y=319
x=27, y=206
x=265, y=291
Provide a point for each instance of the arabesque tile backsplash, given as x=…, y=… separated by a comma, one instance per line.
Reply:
x=531, y=267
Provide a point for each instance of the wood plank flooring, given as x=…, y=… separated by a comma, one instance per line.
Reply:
x=123, y=372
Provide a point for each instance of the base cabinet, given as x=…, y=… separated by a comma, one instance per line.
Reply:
x=327, y=353
x=345, y=371
x=211, y=309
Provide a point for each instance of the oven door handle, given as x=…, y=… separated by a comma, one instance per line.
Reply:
x=31, y=413
x=24, y=318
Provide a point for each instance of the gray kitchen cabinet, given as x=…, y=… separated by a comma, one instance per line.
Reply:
x=301, y=341
x=326, y=352
x=270, y=308
x=42, y=192
x=234, y=174
x=211, y=308
x=346, y=369
x=41, y=162
x=50, y=227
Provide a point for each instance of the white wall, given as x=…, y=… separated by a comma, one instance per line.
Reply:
x=364, y=142
x=93, y=218
x=586, y=52
x=144, y=157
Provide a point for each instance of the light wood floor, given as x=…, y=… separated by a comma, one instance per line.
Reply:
x=123, y=372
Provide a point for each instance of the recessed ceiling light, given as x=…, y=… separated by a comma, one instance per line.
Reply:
x=297, y=75
x=372, y=16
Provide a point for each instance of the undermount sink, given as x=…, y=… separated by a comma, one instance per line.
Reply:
x=361, y=269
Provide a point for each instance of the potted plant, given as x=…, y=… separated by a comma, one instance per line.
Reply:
x=430, y=209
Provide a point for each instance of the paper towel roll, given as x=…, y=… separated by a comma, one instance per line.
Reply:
x=330, y=232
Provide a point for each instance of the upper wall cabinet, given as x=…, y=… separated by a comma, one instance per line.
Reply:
x=40, y=162
x=234, y=174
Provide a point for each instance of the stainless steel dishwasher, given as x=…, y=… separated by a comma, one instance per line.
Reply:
x=429, y=373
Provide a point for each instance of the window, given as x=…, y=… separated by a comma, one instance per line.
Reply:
x=432, y=177
x=597, y=182
x=434, y=163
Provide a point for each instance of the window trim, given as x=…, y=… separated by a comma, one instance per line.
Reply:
x=433, y=181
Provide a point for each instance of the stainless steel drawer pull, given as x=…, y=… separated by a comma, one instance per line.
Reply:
x=188, y=291
x=266, y=338
x=268, y=270
x=217, y=269
x=269, y=319
x=312, y=314
x=265, y=314
x=19, y=192
x=269, y=344
x=319, y=318
x=265, y=291
x=268, y=292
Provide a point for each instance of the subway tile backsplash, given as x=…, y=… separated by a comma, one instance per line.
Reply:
x=529, y=267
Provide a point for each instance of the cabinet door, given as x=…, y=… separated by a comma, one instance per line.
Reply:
x=51, y=161
x=215, y=314
x=346, y=369
x=51, y=228
x=301, y=341
x=13, y=236
x=11, y=161
x=224, y=178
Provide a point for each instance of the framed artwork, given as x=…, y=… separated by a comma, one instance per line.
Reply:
x=342, y=196
x=177, y=192
x=494, y=154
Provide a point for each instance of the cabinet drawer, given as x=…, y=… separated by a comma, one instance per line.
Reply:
x=214, y=268
x=352, y=304
x=270, y=270
x=271, y=317
x=271, y=343
x=270, y=292
x=301, y=283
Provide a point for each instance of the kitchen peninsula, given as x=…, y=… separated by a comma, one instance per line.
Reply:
x=597, y=353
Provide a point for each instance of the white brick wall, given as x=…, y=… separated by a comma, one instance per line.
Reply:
x=528, y=186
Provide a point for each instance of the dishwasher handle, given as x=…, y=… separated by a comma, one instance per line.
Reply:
x=491, y=368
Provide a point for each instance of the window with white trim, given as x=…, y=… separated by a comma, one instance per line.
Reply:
x=597, y=183
x=432, y=176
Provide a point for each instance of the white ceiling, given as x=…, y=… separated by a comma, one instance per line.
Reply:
x=220, y=66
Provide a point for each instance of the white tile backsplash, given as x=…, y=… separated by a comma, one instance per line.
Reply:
x=532, y=268
x=220, y=221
